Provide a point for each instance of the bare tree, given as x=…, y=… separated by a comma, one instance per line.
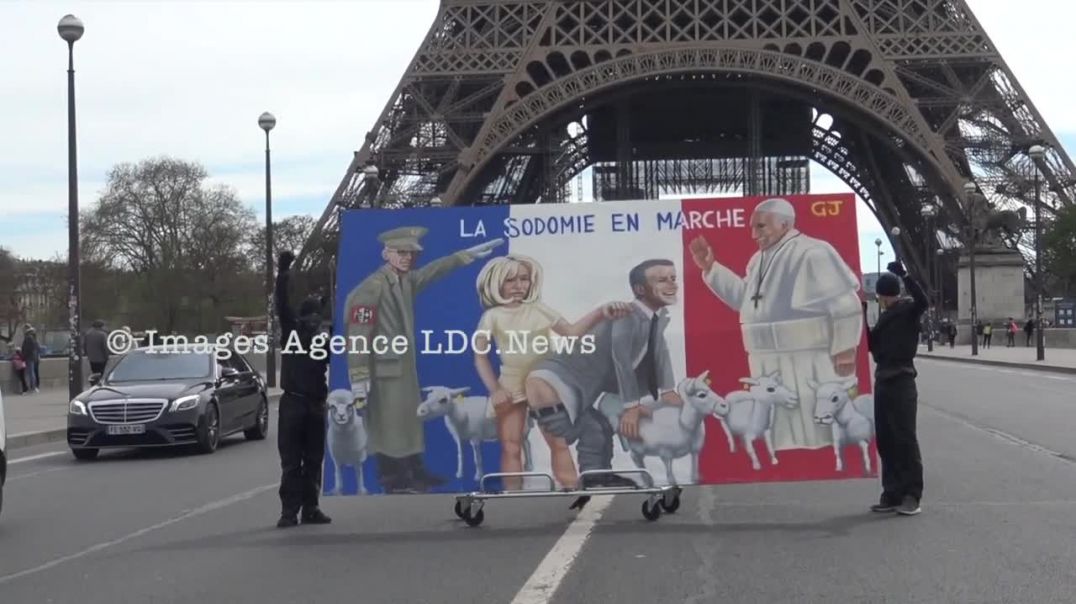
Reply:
x=182, y=239
x=11, y=309
x=288, y=234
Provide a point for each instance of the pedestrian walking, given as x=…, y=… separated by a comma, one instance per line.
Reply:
x=1029, y=329
x=893, y=344
x=988, y=331
x=1010, y=334
x=301, y=421
x=95, y=346
x=31, y=351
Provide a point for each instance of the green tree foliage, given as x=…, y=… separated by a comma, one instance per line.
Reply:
x=1059, y=252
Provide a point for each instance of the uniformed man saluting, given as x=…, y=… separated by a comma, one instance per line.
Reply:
x=383, y=305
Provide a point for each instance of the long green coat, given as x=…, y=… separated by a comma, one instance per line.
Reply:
x=383, y=305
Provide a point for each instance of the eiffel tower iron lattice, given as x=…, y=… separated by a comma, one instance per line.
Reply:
x=506, y=101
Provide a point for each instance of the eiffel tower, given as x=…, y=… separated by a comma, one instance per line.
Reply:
x=506, y=101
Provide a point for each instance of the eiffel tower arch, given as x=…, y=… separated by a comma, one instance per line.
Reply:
x=507, y=101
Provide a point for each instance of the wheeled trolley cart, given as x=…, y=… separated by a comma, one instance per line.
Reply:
x=469, y=506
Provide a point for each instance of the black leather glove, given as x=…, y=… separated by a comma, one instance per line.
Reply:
x=284, y=260
x=897, y=269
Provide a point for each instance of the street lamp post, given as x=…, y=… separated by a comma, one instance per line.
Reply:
x=1037, y=152
x=938, y=278
x=970, y=190
x=70, y=29
x=878, y=243
x=266, y=121
x=929, y=211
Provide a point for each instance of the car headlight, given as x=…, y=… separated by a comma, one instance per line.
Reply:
x=77, y=408
x=185, y=402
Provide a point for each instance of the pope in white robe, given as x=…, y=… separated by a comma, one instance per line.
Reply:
x=800, y=314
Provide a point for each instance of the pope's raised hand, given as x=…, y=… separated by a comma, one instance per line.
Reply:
x=702, y=253
x=484, y=249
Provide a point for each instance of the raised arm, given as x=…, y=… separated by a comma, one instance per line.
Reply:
x=280, y=298
x=920, y=299
x=916, y=290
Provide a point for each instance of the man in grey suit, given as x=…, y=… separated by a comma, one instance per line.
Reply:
x=630, y=358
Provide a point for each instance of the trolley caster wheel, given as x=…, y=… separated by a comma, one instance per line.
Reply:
x=473, y=519
x=651, y=510
x=671, y=503
x=459, y=509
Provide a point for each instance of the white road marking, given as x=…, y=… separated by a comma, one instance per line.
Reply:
x=543, y=583
x=1000, y=435
x=33, y=457
x=15, y=477
x=205, y=509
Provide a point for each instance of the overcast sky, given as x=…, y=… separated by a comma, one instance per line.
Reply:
x=189, y=79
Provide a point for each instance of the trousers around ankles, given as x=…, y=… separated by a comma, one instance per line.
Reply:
x=895, y=409
x=301, y=442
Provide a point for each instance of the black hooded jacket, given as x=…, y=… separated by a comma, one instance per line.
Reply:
x=894, y=340
x=301, y=373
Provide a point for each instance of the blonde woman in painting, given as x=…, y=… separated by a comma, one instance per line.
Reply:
x=509, y=288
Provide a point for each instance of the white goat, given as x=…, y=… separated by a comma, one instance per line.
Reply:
x=750, y=414
x=466, y=420
x=670, y=432
x=852, y=421
x=347, y=436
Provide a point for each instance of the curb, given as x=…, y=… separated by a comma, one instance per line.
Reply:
x=974, y=361
x=30, y=439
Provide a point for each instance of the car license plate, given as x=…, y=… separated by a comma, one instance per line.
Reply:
x=131, y=429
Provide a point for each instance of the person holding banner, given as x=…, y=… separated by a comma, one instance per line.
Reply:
x=799, y=313
x=301, y=427
x=516, y=320
x=893, y=343
x=383, y=304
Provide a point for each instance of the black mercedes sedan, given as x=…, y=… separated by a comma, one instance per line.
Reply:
x=167, y=397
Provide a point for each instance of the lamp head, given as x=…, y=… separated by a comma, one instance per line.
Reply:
x=895, y=231
x=70, y=28
x=1037, y=152
x=435, y=202
x=970, y=188
x=929, y=210
x=266, y=121
x=370, y=171
x=878, y=242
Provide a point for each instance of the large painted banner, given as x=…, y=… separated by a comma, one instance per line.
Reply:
x=708, y=340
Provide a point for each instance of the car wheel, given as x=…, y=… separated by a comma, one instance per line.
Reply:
x=85, y=454
x=260, y=429
x=209, y=430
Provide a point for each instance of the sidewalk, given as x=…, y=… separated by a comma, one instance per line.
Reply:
x=1057, y=359
x=36, y=418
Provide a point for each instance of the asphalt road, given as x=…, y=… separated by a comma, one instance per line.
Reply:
x=999, y=525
